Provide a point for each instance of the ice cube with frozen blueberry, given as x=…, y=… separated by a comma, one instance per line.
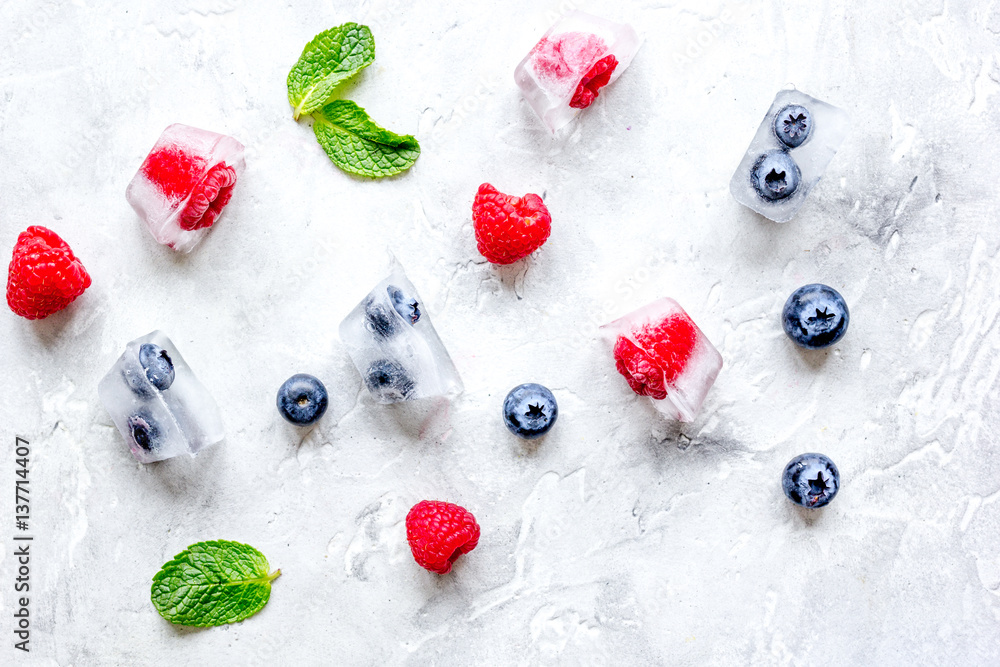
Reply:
x=566, y=70
x=390, y=339
x=157, y=403
x=786, y=158
x=663, y=354
x=184, y=184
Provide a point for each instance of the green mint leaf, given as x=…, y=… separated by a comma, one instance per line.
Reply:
x=356, y=144
x=213, y=583
x=332, y=57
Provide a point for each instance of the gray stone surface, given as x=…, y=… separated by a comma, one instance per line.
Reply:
x=620, y=538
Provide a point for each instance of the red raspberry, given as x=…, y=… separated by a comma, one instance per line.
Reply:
x=665, y=350
x=439, y=533
x=209, y=198
x=509, y=228
x=44, y=276
x=174, y=171
x=598, y=77
x=567, y=53
x=178, y=175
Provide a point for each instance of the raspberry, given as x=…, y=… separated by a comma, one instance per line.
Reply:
x=567, y=53
x=660, y=357
x=44, y=276
x=440, y=532
x=508, y=228
x=598, y=77
x=209, y=198
x=178, y=175
x=174, y=171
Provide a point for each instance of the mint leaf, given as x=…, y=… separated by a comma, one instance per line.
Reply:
x=332, y=57
x=213, y=583
x=359, y=146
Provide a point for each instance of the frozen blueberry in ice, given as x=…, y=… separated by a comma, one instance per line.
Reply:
x=815, y=316
x=380, y=319
x=530, y=410
x=389, y=381
x=810, y=480
x=302, y=399
x=775, y=175
x=157, y=403
x=157, y=364
x=810, y=132
x=407, y=308
x=143, y=431
x=391, y=340
x=793, y=125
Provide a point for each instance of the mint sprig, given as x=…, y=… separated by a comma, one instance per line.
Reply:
x=330, y=59
x=213, y=583
x=358, y=145
x=352, y=140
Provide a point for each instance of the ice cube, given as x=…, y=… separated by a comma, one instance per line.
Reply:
x=184, y=183
x=793, y=145
x=569, y=65
x=394, y=346
x=157, y=403
x=663, y=354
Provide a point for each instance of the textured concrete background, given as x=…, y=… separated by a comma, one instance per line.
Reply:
x=620, y=538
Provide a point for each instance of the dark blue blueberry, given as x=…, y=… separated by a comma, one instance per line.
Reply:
x=530, y=410
x=775, y=175
x=810, y=480
x=302, y=399
x=793, y=125
x=389, y=381
x=815, y=316
x=381, y=320
x=157, y=364
x=144, y=431
x=407, y=308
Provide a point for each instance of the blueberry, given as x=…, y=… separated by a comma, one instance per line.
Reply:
x=810, y=480
x=407, y=308
x=389, y=381
x=157, y=364
x=381, y=320
x=793, y=125
x=302, y=399
x=775, y=175
x=815, y=316
x=144, y=431
x=530, y=410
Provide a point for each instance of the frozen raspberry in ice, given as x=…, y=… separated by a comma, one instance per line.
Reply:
x=592, y=82
x=184, y=183
x=571, y=63
x=663, y=354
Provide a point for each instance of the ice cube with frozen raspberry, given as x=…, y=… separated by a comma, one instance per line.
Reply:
x=566, y=70
x=663, y=354
x=184, y=184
